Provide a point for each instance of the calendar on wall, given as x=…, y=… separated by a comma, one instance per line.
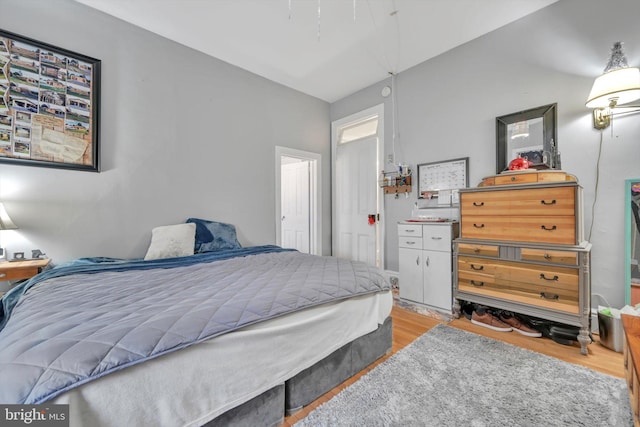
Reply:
x=445, y=175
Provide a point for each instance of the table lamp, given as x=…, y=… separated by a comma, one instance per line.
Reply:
x=5, y=224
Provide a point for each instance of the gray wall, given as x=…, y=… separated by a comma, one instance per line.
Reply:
x=182, y=134
x=447, y=108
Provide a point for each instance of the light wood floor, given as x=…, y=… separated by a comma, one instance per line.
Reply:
x=408, y=325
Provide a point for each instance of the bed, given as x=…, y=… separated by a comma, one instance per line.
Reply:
x=232, y=336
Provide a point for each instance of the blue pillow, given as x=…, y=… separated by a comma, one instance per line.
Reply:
x=214, y=236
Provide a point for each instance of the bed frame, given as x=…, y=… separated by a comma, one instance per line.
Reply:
x=269, y=408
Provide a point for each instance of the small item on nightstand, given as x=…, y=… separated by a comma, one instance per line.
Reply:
x=36, y=253
x=18, y=255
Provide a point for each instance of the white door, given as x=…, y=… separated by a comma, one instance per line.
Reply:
x=356, y=198
x=295, y=205
x=357, y=147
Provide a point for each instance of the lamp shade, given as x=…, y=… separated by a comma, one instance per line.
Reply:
x=5, y=221
x=621, y=85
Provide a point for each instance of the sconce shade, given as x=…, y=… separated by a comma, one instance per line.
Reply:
x=621, y=85
x=5, y=221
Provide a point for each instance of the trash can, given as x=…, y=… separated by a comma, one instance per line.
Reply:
x=610, y=332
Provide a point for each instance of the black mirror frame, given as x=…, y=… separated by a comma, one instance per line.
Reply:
x=550, y=138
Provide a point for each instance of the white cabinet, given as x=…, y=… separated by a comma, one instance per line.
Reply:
x=425, y=263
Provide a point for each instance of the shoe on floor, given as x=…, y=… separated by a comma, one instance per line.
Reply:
x=487, y=320
x=520, y=327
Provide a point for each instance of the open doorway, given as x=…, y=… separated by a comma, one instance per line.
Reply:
x=298, y=200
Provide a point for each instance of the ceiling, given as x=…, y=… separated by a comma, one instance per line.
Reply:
x=325, y=48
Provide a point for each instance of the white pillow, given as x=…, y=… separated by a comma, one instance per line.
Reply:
x=171, y=241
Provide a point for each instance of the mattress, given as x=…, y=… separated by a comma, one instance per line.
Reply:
x=94, y=318
x=194, y=385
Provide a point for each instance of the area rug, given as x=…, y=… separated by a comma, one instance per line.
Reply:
x=450, y=377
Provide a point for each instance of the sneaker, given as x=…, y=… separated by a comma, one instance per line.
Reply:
x=519, y=327
x=467, y=310
x=489, y=321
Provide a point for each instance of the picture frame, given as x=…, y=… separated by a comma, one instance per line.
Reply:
x=49, y=105
x=531, y=134
x=434, y=177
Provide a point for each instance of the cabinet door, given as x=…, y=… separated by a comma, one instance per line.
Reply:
x=437, y=279
x=410, y=264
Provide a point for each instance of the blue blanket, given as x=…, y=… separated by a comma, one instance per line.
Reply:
x=99, y=264
x=81, y=321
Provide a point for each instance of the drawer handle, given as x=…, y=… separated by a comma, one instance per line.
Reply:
x=513, y=178
x=436, y=238
x=410, y=243
x=473, y=267
x=478, y=284
x=547, y=256
x=555, y=278
x=3, y=274
x=481, y=225
x=476, y=250
x=553, y=202
x=551, y=297
x=410, y=231
x=478, y=204
x=544, y=227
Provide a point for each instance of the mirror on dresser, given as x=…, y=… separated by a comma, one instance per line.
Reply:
x=632, y=237
x=530, y=134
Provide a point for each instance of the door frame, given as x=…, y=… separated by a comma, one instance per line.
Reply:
x=315, y=195
x=336, y=125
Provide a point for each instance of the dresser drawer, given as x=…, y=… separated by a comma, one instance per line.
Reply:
x=19, y=273
x=541, y=281
x=476, y=265
x=412, y=230
x=473, y=249
x=516, y=179
x=549, y=256
x=507, y=293
x=475, y=280
x=436, y=238
x=410, y=242
x=538, y=277
x=527, y=202
x=545, y=286
x=552, y=229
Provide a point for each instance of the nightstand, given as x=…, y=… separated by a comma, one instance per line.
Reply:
x=18, y=270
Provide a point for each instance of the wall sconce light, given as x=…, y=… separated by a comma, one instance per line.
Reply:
x=614, y=89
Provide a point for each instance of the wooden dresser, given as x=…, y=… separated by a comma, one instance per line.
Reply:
x=522, y=249
x=631, y=357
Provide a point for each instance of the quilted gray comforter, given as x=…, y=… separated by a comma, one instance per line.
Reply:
x=68, y=330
